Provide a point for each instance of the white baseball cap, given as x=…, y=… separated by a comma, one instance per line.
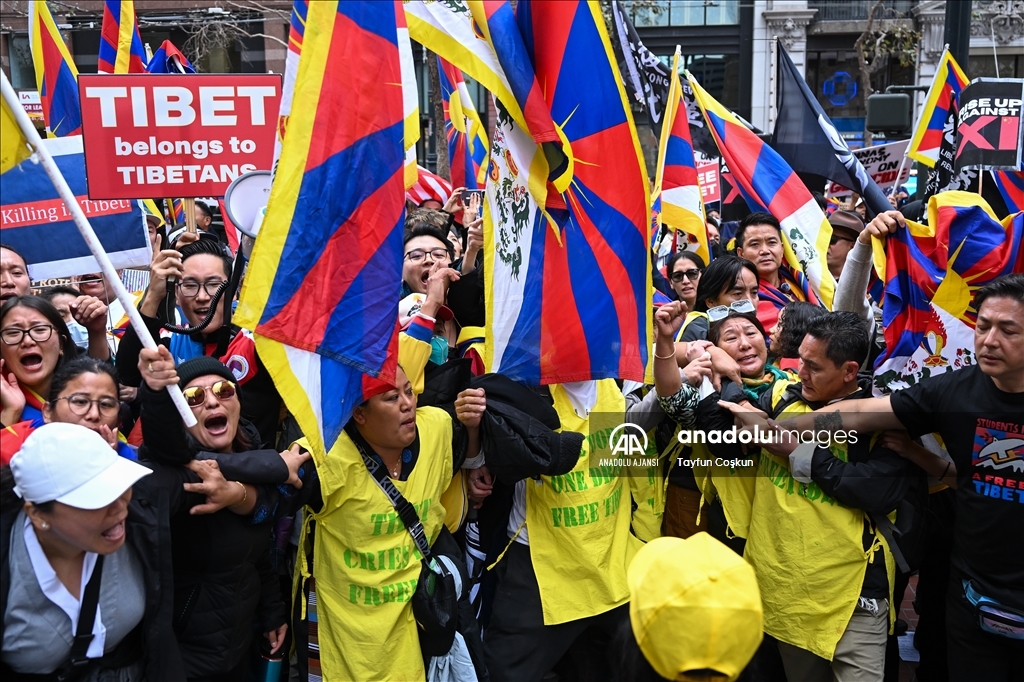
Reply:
x=72, y=465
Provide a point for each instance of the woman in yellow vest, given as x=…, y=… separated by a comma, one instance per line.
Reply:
x=365, y=561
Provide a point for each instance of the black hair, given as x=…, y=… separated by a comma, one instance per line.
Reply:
x=207, y=247
x=794, y=319
x=845, y=335
x=73, y=369
x=713, y=220
x=719, y=277
x=715, y=329
x=15, y=252
x=1008, y=286
x=425, y=230
x=820, y=200
x=756, y=218
x=46, y=309
x=690, y=256
x=204, y=209
x=59, y=290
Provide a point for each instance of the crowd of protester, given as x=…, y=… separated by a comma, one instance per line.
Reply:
x=461, y=530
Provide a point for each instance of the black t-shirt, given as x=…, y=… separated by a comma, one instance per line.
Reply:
x=983, y=430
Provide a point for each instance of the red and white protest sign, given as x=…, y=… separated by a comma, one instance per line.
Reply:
x=152, y=135
x=709, y=179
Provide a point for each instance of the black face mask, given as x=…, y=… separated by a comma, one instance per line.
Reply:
x=716, y=249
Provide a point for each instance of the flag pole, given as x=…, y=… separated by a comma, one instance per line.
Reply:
x=82, y=223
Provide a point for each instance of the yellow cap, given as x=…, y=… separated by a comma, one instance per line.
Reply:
x=694, y=605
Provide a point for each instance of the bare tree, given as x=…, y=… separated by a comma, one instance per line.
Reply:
x=880, y=44
x=440, y=135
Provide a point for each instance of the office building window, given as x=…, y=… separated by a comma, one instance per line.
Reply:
x=686, y=13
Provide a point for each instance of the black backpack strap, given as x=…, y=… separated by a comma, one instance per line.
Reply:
x=405, y=510
x=86, y=620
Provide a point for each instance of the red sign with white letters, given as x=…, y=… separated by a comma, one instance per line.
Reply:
x=168, y=135
x=708, y=177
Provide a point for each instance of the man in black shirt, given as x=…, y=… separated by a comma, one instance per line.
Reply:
x=979, y=413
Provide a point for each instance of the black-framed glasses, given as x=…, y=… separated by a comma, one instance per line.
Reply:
x=417, y=255
x=720, y=312
x=692, y=274
x=190, y=288
x=80, y=404
x=12, y=336
x=836, y=239
x=222, y=390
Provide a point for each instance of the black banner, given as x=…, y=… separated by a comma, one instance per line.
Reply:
x=989, y=129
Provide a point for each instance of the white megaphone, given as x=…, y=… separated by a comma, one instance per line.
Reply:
x=246, y=201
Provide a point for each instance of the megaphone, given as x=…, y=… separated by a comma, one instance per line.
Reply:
x=245, y=197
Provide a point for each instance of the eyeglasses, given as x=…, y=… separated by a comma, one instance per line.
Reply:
x=691, y=275
x=222, y=390
x=720, y=312
x=12, y=336
x=835, y=240
x=417, y=255
x=190, y=288
x=80, y=404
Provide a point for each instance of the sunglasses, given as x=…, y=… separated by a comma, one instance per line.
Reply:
x=691, y=275
x=835, y=240
x=196, y=395
x=720, y=312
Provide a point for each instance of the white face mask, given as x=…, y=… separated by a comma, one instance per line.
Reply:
x=79, y=334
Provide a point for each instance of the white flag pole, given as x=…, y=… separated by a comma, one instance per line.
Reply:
x=82, y=223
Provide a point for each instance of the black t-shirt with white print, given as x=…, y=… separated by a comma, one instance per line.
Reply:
x=983, y=430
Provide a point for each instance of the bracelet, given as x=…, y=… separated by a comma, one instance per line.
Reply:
x=245, y=494
x=663, y=357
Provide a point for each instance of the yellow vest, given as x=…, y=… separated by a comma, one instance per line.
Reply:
x=808, y=553
x=366, y=563
x=578, y=523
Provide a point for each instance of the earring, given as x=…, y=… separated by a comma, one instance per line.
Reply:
x=45, y=525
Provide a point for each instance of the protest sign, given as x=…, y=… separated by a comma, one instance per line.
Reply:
x=709, y=180
x=35, y=221
x=988, y=134
x=881, y=162
x=153, y=135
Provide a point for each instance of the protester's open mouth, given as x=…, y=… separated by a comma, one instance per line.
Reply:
x=202, y=312
x=748, y=360
x=115, y=533
x=31, y=361
x=424, y=277
x=217, y=425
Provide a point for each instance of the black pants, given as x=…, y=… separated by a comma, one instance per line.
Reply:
x=976, y=655
x=520, y=648
x=932, y=586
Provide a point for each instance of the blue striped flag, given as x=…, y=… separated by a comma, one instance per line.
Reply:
x=169, y=59
x=321, y=294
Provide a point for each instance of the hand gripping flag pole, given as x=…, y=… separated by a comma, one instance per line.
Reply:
x=89, y=236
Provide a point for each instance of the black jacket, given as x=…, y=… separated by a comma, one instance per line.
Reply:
x=261, y=403
x=214, y=570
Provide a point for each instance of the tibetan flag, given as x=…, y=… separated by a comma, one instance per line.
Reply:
x=946, y=86
x=767, y=183
x=467, y=141
x=56, y=75
x=931, y=273
x=1011, y=187
x=169, y=59
x=121, y=48
x=681, y=205
x=177, y=211
x=321, y=294
x=569, y=295
x=296, y=30
x=410, y=99
x=13, y=144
